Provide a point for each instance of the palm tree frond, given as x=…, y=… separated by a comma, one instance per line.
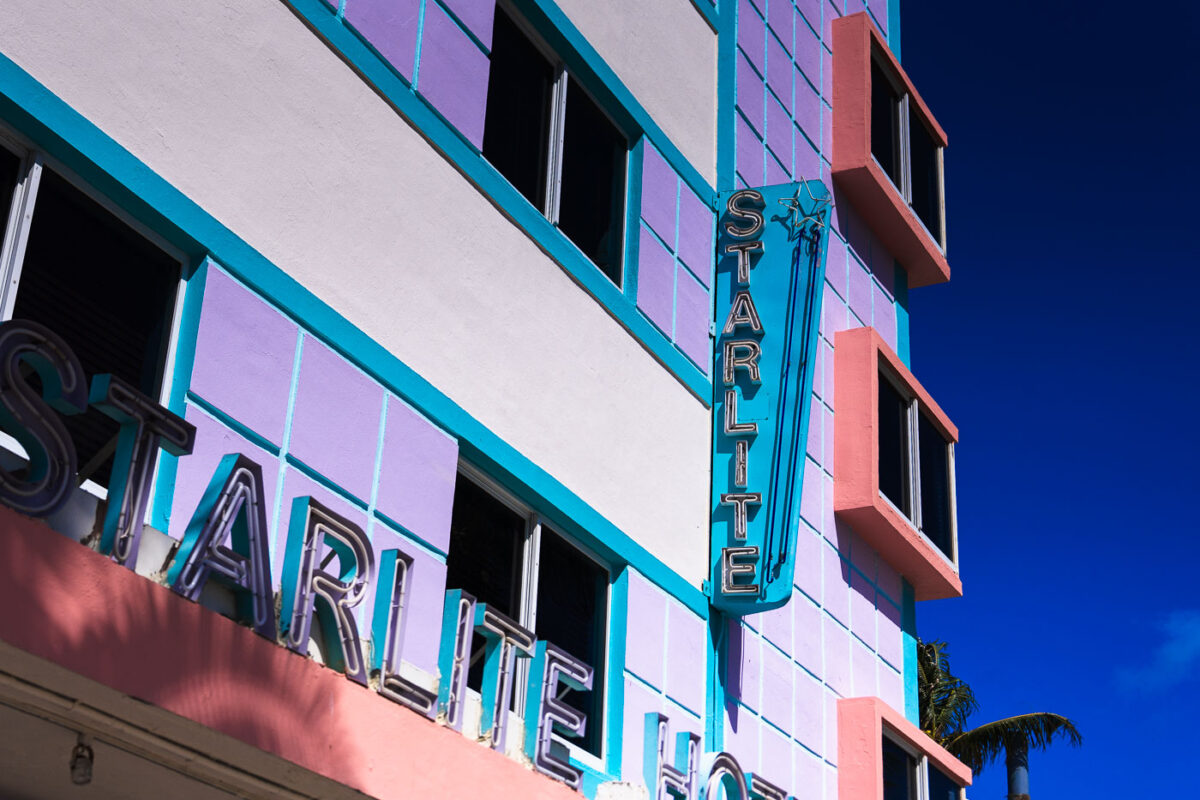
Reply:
x=945, y=701
x=982, y=745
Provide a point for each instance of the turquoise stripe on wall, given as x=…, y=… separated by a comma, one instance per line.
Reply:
x=708, y=10
x=902, y=332
x=908, y=624
x=181, y=378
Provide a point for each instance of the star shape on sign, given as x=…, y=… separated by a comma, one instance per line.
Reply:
x=799, y=219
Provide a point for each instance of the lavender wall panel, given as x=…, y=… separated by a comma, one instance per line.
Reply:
x=656, y=282
x=645, y=636
x=244, y=355
x=417, y=472
x=687, y=647
x=696, y=224
x=659, y=191
x=390, y=26
x=692, y=317
x=335, y=421
x=453, y=74
x=477, y=15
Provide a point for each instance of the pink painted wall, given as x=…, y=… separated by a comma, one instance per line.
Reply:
x=78, y=609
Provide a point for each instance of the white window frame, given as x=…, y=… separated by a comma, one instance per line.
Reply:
x=530, y=560
x=12, y=256
x=557, y=133
x=922, y=765
x=912, y=432
x=903, y=154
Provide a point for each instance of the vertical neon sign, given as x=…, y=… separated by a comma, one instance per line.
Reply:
x=771, y=268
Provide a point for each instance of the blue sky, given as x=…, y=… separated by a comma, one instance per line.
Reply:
x=1065, y=347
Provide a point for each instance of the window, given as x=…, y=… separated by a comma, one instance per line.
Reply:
x=883, y=756
x=887, y=150
x=510, y=558
x=549, y=138
x=73, y=265
x=894, y=464
x=916, y=464
x=906, y=150
x=908, y=775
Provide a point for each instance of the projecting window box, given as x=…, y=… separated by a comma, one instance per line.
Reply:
x=887, y=151
x=894, y=464
x=883, y=756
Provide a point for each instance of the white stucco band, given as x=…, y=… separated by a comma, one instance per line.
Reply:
x=241, y=107
x=673, y=76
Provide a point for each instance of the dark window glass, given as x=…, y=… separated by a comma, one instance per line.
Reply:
x=893, y=446
x=593, y=183
x=935, y=485
x=941, y=787
x=104, y=289
x=516, y=129
x=899, y=772
x=885, y=123
x=925, y=184
x=572, y=606
x=10, y=165
x=484, y=558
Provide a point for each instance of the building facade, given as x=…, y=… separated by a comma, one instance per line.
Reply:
x=458, y=397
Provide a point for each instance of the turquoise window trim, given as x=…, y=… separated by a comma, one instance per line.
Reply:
x=893, y=34
x=726, y=94
x=615, y=701
x=716, y=666
x=512, y=203
x=902, y=324
x=908, y=626
x=633, y=215
x=708, y=10
x=181, y=378
x=59, y=130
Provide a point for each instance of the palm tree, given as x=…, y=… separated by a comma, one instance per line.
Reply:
x=945, y=704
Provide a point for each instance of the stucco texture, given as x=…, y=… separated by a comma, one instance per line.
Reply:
x=242, y=108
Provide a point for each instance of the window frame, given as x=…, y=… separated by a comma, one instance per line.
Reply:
x=885, y=205
x=15, y=236
x=551, y=207
x=921, y=770
x=914, y=409
x=861, y=360
x=903, y=132
x=529, y=559
x=863, y=723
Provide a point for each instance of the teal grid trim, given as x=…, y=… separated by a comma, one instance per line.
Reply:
x=902, y=325
x=181, y=378
x=615, y=707
x=708, y=10
x=908, y=623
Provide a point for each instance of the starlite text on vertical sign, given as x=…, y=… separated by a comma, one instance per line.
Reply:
x=771, y=250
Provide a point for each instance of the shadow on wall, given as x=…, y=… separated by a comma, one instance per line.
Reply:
x=76, y=608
